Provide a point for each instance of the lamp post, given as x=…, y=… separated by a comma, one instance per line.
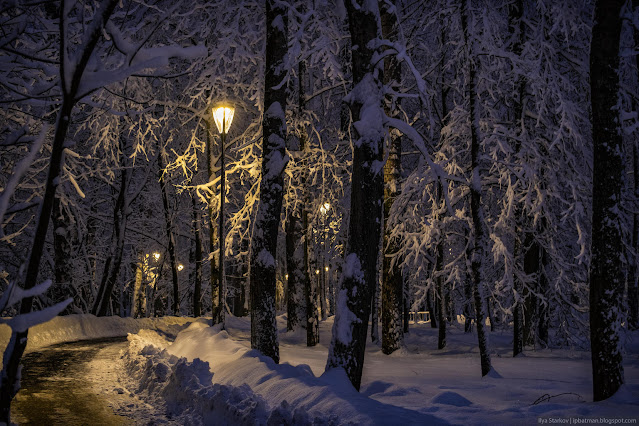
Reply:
x=223, y=116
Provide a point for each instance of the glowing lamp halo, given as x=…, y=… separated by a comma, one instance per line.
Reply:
x=223, y=116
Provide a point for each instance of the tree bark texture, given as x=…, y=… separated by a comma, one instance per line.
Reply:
x=606, y=274
x=294, y=270
x=477, y=210
x=516, y=28
x=348, y=341
x=170, y=236
x=264, y=244
x=633, y=274
x=392, y=280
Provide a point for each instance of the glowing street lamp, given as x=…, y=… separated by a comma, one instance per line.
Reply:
x=223, y=116
x=156, y=256
x=180, y=267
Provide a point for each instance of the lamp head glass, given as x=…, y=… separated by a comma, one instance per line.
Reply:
x=223, y=115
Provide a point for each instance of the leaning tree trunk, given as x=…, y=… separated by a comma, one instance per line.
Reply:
x=606, y=272
x=264, y=244
x=9, y=378
x=477, y=210
x=392, y=280
x=348, y=341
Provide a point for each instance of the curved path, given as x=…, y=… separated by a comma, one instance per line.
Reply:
x=57, y=386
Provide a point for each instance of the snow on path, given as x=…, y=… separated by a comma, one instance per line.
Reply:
x=209, y=376
x=72, y=328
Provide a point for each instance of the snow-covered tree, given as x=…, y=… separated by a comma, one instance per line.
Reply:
x=359, y=270
x=274, y=159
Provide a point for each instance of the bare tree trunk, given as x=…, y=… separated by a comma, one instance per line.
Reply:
x=407, y=302
x=476, y=207
x=633, y=280
x=633, y=274
x=606, y=282
x=392, y=280
x=170, y=236
x=197, y=259
x=348, y=341
x=516, y=29
x=63, y=238
x=543, y=313
x=439, y=283
x=294, y=270
x=375, y=304
x=264, y=244
x=120, y=216
x=431, y=308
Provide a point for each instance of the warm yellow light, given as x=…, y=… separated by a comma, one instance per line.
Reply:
x=326, y=269
x=286, y=276
x=156, y=255
x=317, y=272
x=223, y=116
x=180, y=267
x=325, y=208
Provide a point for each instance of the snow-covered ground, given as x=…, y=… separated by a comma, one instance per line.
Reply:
x=208, y=376
x=420, y=385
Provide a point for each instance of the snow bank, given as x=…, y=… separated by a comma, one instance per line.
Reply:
x=186, y=390
x=206, y=377
x=72, y=328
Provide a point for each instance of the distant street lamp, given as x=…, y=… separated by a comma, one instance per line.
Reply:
x=156, y=256
x=180, y=267
x=325, y=208
x=223, y=115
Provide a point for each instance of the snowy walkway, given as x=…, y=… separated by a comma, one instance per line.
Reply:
x=58, y=385
x=208, y=376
